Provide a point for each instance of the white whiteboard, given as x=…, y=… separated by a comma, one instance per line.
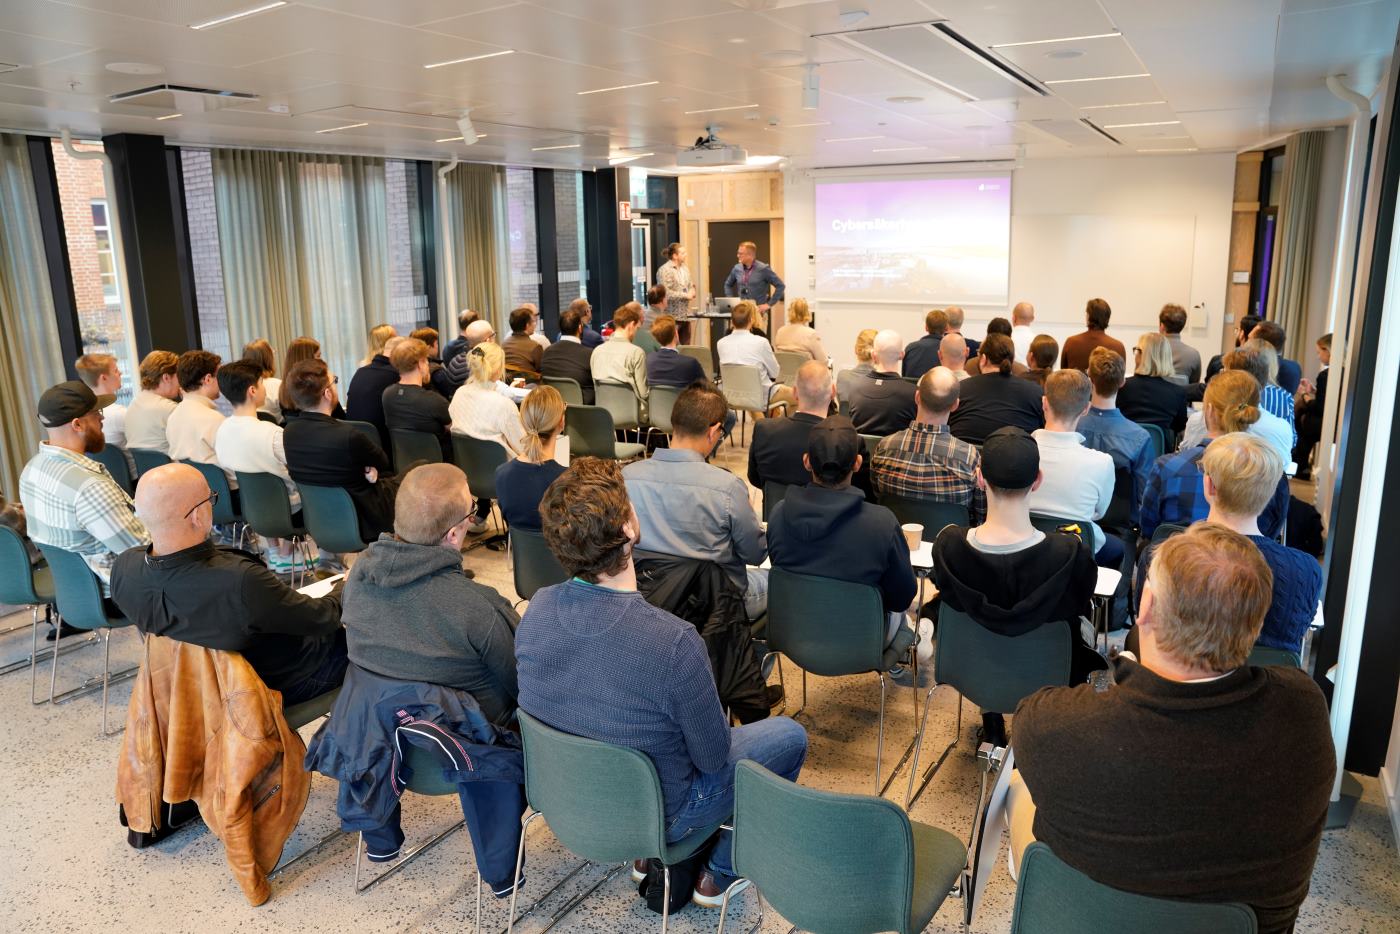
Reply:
x=1137, y=263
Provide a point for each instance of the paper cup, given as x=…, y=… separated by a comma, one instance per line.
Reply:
x=913, y=535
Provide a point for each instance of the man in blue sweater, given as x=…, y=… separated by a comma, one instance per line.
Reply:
x=594, y=659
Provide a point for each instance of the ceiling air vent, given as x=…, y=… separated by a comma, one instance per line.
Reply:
x=182, y=98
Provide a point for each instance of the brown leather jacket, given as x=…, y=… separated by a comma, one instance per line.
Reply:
x=202, y=726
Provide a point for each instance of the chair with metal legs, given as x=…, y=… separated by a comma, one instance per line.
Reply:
x=79, y=599
x=616, y=816
x=832, y=628
x=22, y=584
x=330, y=518
x=479, y=459
x=267, y=508
x=569, y=389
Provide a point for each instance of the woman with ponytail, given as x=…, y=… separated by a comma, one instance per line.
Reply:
x=995, y=398
x=1175, y=490
x=520, y=484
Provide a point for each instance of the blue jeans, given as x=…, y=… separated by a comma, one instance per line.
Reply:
x=779, y=744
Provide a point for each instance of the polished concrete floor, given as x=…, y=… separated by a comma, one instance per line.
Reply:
x=68, y=867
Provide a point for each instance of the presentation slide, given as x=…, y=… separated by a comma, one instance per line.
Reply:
x=931, y=240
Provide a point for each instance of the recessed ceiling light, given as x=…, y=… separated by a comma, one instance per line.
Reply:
x=1112, y=106
x=619, y=87
x=798, y=126
x=1125, y=126
x=1100, y=78
x=620, y=160
x=1065, y=54
x=850, y=139
x=134, y=68
x=169, y=116
x=1178, y=149
x=738, y=40
x=253, y=11
x=904, y=99
x=1098, y=35
x=348, y=126
x=470, y=58
x=670, y=100
x=899, y=149
x=454, y=139
x=715, y=110
x=548, y=148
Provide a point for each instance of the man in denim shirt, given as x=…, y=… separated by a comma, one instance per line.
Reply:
x=1107, y=429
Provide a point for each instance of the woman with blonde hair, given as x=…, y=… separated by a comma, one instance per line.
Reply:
x=378, y=336
x=479, y=409
x=865, y=346
x=1175, y=490
x=261, y=354
x=521, y=483
x=1266, y=425
x=1151, y=396
x=798, y=335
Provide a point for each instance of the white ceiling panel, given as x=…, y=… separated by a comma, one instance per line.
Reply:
x=710, y=34
x=1023, y=20
x=566, y=38
x=28, y=50
x=407, y=12
x=1116, y=91
x=175, y=12
x=629, y=14
x=1226, y=129
x=1084, y=58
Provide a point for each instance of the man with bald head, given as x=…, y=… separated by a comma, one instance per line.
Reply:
x=925, y=461
x=952, y=355
x=479, y=331
x=882, y=402
x=777, y=446
x=184, y=586
x=1022, y=317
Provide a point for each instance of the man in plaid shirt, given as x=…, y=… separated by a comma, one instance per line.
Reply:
x=70, y=500
x=925, y=461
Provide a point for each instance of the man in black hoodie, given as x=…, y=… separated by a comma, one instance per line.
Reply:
x=827, y=529
x=1008, y=575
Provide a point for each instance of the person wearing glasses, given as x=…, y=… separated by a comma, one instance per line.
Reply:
x=185, y=587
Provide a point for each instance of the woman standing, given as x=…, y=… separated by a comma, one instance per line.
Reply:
x=673, y=274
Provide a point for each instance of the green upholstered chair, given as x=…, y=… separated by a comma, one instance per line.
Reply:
x=534, y=564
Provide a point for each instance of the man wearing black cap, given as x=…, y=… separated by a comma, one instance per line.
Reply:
x=827, y=529
x=70, y=500
x=1008, y=575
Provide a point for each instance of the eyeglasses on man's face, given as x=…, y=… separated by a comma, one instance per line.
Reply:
x=212, y=499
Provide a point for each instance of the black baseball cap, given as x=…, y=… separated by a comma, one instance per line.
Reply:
x=60, y=404
x=1010, y=459
x=832, y=448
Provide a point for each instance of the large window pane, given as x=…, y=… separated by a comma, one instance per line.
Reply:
x=408, y=289
x=202, y=220
x=569, y=223
x=524, y=254
x=103, y=319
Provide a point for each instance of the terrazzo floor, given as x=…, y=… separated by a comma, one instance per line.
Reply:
x=68, y=867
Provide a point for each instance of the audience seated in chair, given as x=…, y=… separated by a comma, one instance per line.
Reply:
x=996, y=398
x=1003, y=327
x=323, y=451
x=1022, y=334
x=596, y=660
x=301, y=348
x=1040, y=358
x=882, y=402
x=1243, y=330
x=1150, y=396
x=184, y=586
x=478, y=332
x=1175, y=487
x=364, y=399
x=655, y=308
x=522, y=353
x=619, y=359
x=666, y=366
x=742, y=346
x=480, y=410
x=150, y=408
x=569, y=357
x=952, y=355
x=798, y=335
x=827, y=529
x=1076, y=481
x=1106, y=429
x=521, y=482
x=1193, y=731
x=101, y=374
x=439, y=380
x=846, y=379
x=1006, y=574
x=250, y=444
x=459, y=344
x=1077, y=348
x=779, y=444
x=688, y=508
x=1258, y=360
x=925, y=461
x=411, y=614
x=922, y=355
x=409, y=405
x=70, y=500
x=195, y=422
x=1290, y=374
x=956, y=317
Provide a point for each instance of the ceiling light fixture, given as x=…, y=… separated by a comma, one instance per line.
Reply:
x=1114, y=106
x=620, y=87
x=1100, y=78
x=811, y=88
x=465, y=127
x=1178, y=149
x=1099, y=35
x=899, y=149
x=169, y=116
x=715, y=110
x=851, y=139
x=904, y=99
x=470, y=58
x=620, y=160
x=1125, y=126
x=337, y=129
x=548, y=148
x=798, y=126
x=219, y=21
x=453, y=139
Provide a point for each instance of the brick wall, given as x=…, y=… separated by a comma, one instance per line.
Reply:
x=203, y=222
x=524, y=257
x=568, y=223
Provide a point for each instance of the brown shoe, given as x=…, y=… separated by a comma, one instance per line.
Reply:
x=709, y=891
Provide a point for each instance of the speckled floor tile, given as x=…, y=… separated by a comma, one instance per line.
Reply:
x=68, y=867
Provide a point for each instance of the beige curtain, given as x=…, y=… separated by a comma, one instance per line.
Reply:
x=27, y=327
x=304, y=244
x=1288, y=279
x=476, y=247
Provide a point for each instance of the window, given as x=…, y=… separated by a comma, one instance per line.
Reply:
x=408, y=288
x=103, y=321
x=524, y=252
x=571, y=230
x=201, y=219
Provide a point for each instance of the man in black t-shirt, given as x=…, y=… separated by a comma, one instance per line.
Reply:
x=409, y=405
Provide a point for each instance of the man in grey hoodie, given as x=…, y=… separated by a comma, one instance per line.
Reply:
x=411, y=613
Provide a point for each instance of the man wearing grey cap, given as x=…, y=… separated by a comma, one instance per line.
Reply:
x=1009, y=576
x=70, y=500
x=827, y=529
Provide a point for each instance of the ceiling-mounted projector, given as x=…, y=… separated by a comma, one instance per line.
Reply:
x=709, y=151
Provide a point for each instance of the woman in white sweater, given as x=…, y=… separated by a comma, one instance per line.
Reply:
x=479, y=409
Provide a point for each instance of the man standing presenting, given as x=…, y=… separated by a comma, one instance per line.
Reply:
x=1022, y=317
x=754, y=280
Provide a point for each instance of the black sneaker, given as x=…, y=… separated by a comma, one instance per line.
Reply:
x=63, y=631
x=773, y=694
